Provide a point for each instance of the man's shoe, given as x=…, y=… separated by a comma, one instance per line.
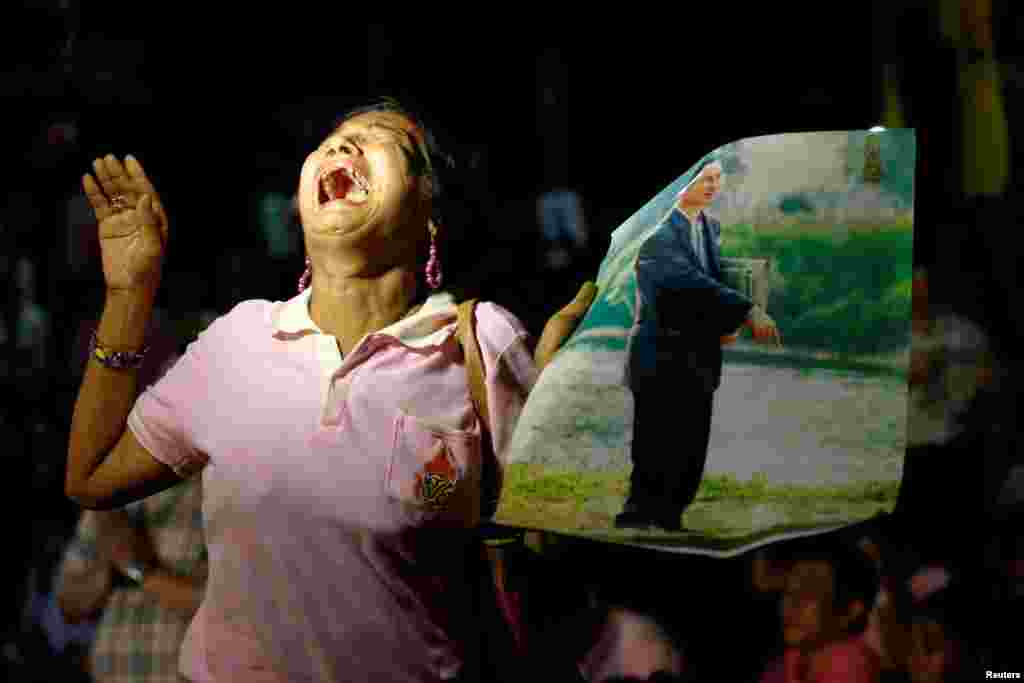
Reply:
x=633, y=519
x=670, y=524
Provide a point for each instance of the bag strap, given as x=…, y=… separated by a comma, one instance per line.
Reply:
x=474, y=360
x=497, y=593
x=490, y=481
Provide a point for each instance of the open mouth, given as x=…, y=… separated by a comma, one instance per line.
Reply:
x=344, y=184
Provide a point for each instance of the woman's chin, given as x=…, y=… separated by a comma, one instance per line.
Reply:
x=336, y=224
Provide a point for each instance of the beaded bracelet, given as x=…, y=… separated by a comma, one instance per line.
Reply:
x=118, y=360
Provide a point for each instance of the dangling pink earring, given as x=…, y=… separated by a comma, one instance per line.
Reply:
x=306, y=275
x=433, y=268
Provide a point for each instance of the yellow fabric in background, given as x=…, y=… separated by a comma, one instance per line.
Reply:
x=986, y=136
x=892, y=116
x=986, y=139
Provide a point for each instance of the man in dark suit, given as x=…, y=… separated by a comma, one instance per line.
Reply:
x=684, y=315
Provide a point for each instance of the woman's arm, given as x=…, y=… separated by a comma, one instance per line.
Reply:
x=107, y=467
x=562, y=324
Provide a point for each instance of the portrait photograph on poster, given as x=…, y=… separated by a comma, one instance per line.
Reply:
x=741, y=375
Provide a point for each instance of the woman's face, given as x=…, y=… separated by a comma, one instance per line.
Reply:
x=927, y=656
x=365, y=179
x=807, y=614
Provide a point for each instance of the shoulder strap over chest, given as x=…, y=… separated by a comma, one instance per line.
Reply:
x=474, y=359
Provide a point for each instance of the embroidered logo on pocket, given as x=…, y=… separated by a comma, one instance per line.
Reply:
x=435, y=483
x=434, y=472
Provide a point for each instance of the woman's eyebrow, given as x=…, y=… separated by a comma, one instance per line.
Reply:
x=391, y=129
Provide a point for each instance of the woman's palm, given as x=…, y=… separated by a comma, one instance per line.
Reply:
x=133, y=237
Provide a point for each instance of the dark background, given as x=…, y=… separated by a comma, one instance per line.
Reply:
x=220, y=103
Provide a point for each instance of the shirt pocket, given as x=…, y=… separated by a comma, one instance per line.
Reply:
x=434, y=472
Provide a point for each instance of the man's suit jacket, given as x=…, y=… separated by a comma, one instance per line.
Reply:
x=683, y=310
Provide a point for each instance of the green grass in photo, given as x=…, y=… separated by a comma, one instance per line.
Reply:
x=726, y=509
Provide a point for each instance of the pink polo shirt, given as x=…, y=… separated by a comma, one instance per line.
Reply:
x=327, y=562
x=845, y=661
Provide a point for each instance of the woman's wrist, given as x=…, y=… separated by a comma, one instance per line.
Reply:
x=125, y=319
x=117, y=360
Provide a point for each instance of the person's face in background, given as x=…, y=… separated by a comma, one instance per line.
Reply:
x=703, y=190
x=809, y=617
x=926, y=661
x=631, y=645
x=24, y=278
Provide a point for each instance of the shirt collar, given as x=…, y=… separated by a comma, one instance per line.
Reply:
x=680, y=220
x=429, y=326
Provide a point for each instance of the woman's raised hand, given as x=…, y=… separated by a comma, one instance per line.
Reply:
x=561, y=325
x=132, y=223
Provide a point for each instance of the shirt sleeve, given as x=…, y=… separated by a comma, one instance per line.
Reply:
x=511, y=371
x=511, y=374
x=166, y=417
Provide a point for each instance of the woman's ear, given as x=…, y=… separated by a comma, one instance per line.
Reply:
x=426, y=186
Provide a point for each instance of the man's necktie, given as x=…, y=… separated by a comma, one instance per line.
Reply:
x=697, y=236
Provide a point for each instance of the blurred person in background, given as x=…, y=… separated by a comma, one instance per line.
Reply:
x=127, y=581
x=563, y=228
x=960, y=404
x=828, y=591
x=631, y=644
x=887, y=631
x=276, y=212
x=941, y=648
x=591, y=623
x=33, y=330
x=138, y=574
x=39, y=446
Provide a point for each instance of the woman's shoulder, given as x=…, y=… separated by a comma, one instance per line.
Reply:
x=244, y=318
x=491, y=315
x=498, y=327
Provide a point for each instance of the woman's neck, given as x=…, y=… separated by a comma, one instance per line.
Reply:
x=351, y=307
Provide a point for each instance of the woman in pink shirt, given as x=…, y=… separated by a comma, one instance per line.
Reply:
x=828, y=591
x=340, y=453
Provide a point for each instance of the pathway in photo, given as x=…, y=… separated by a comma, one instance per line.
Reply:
x=808, y=427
